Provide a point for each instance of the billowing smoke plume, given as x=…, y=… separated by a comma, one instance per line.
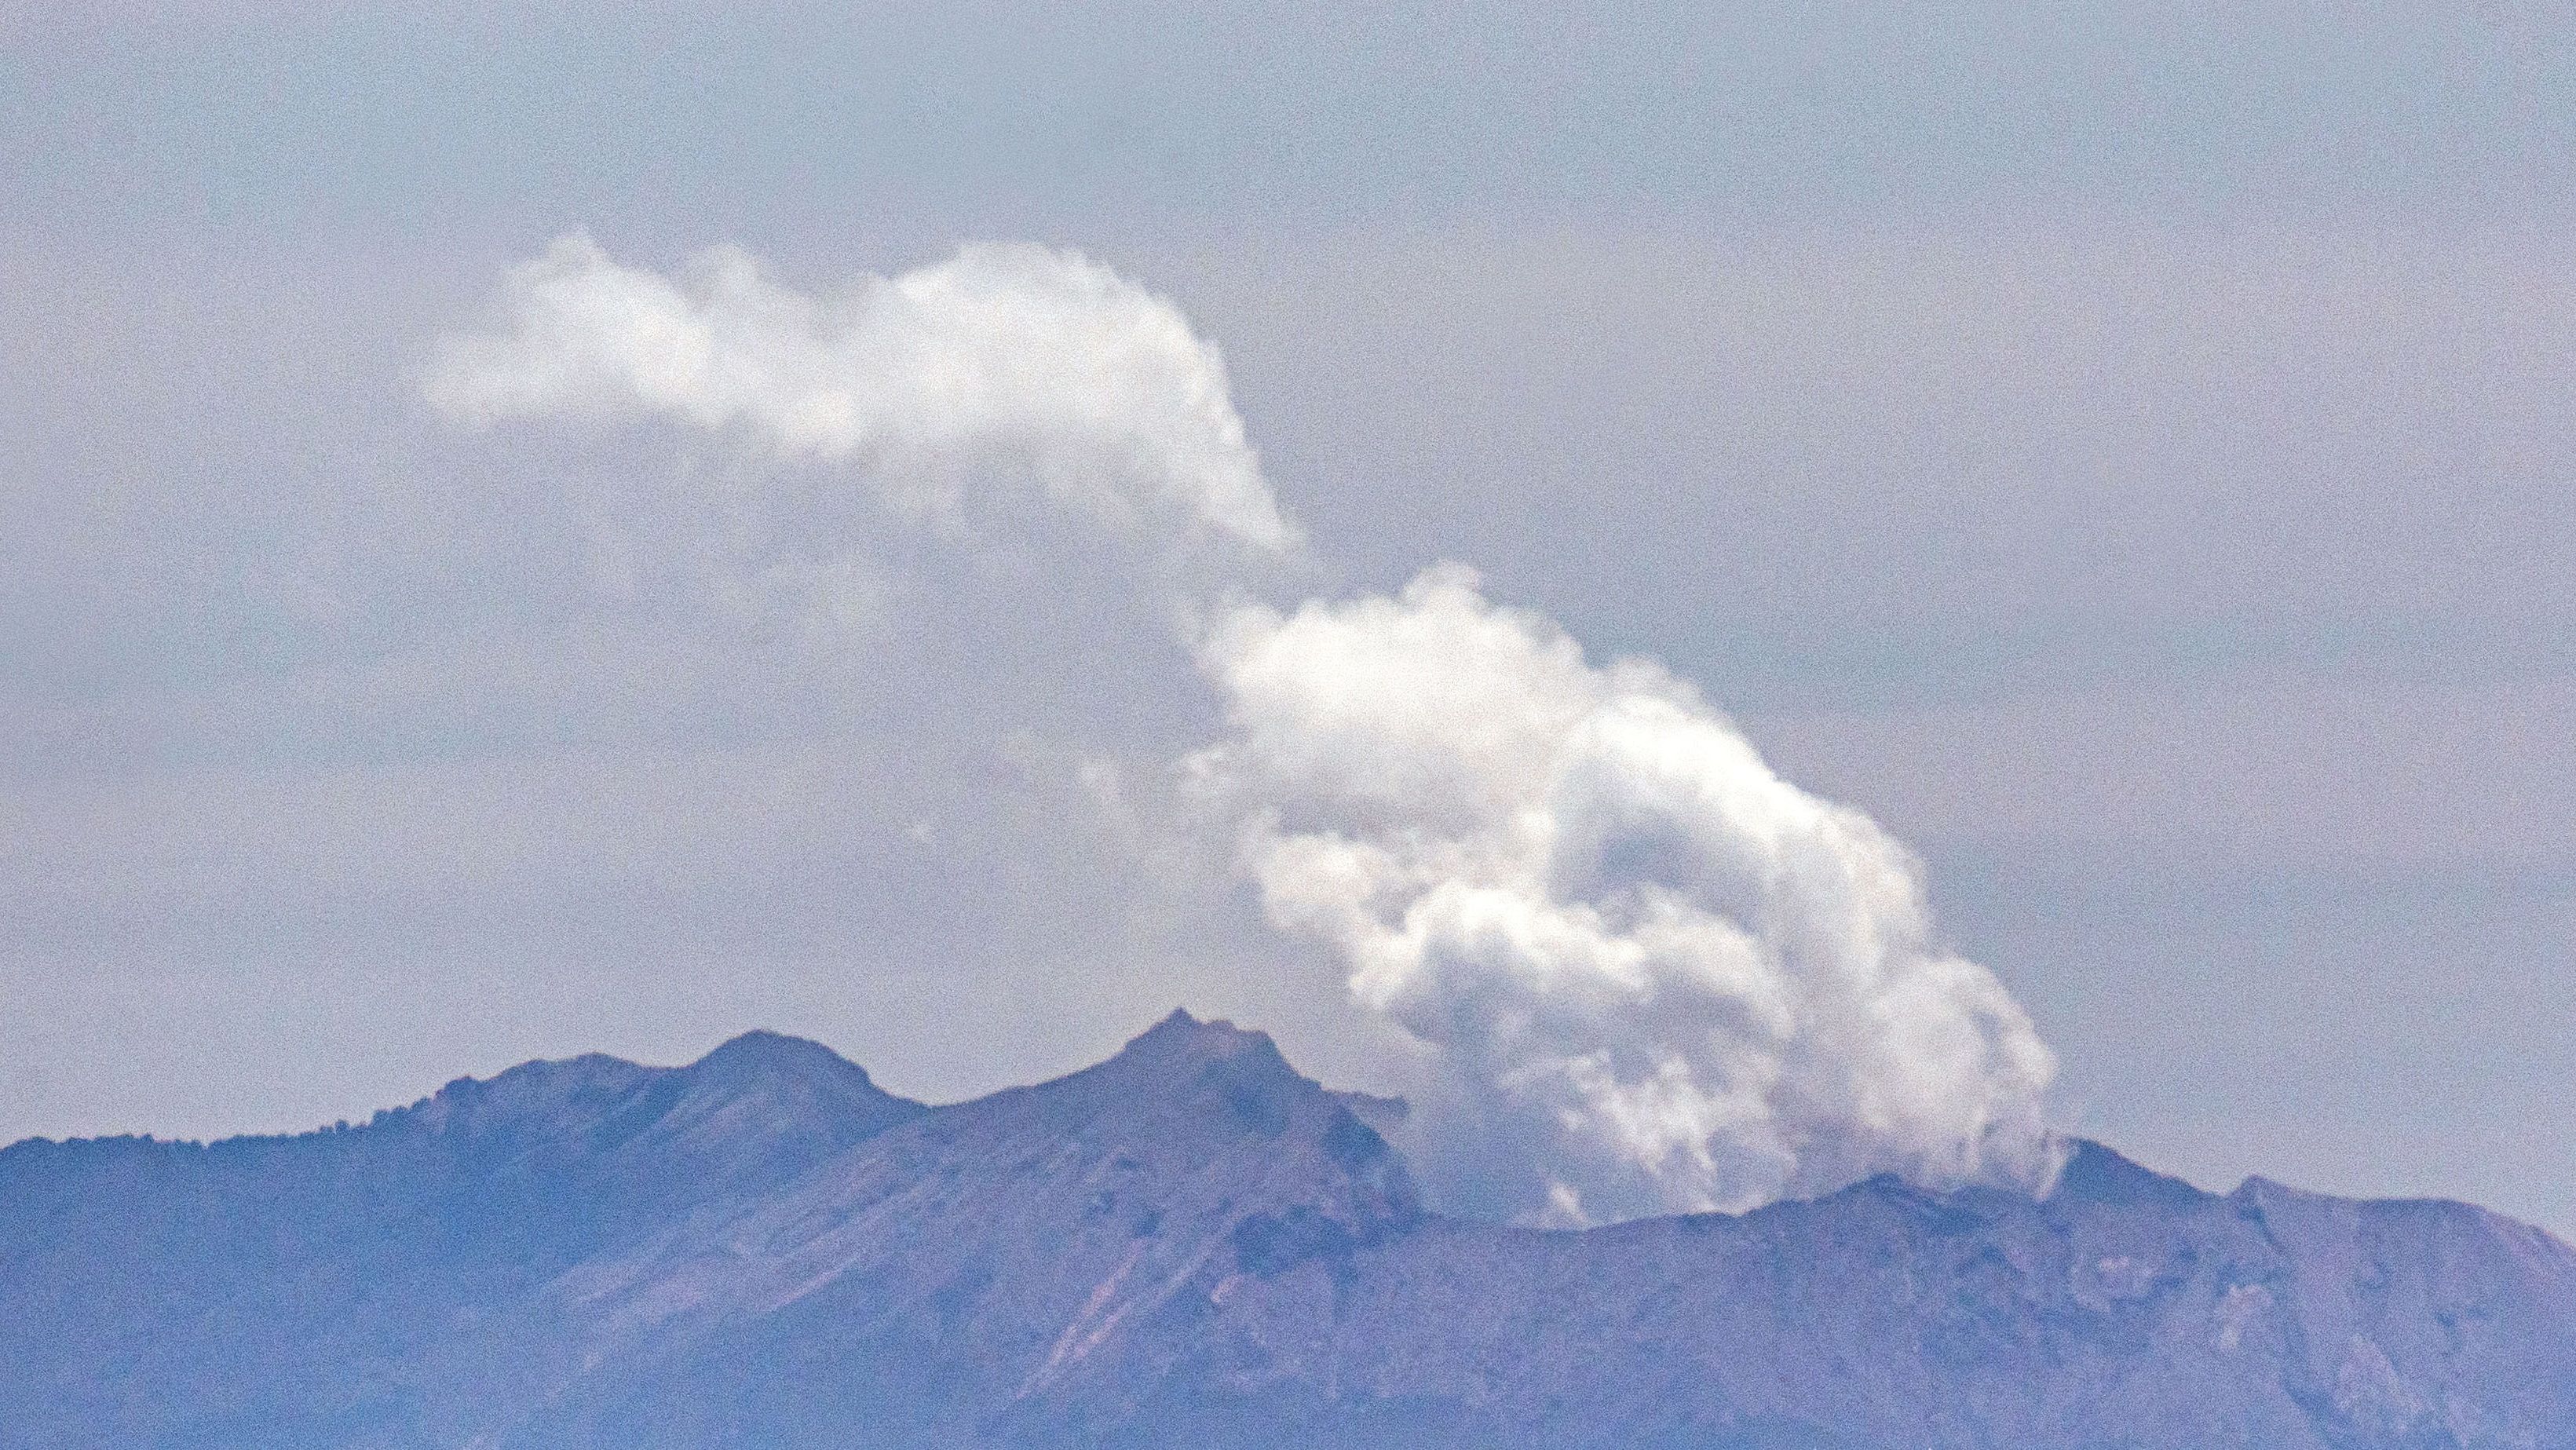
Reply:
x=1647, y=973
x=1002, y=365
x=1658, y=976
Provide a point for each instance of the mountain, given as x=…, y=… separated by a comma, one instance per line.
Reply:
x=1191, y=1244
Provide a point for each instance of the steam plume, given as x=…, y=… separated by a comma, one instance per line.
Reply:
x=1003, y=362
x=1658, y=976
x=1650, y=974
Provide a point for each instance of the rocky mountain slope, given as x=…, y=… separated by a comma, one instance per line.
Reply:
x=1190, y=1244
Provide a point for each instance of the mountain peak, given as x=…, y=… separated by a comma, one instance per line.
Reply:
x=769, y=1084
x=761, y=1052
x=2097, y=1174
x=1182, y=1038
x=763, y=1040
x=1179, y=1025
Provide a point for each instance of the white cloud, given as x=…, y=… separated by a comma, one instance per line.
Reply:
x=1015, y=365
x=1658, y=977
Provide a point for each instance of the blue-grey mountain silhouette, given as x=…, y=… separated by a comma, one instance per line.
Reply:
x=1191, y=1244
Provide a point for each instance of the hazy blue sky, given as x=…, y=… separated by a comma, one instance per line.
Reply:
x=2125, y=449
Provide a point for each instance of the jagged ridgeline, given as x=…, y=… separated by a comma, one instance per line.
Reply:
x=1190, y=1244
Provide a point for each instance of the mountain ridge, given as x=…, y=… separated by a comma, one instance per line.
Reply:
x=1191, y=1241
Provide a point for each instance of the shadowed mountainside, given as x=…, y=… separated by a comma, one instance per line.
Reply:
x=1190, y=1244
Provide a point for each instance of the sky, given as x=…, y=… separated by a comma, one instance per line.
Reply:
x=2124, y=451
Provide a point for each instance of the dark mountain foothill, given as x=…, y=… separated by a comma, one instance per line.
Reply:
x=1191, y=1244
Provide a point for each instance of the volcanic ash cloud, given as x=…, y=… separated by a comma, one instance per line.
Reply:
x=1655, y=975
